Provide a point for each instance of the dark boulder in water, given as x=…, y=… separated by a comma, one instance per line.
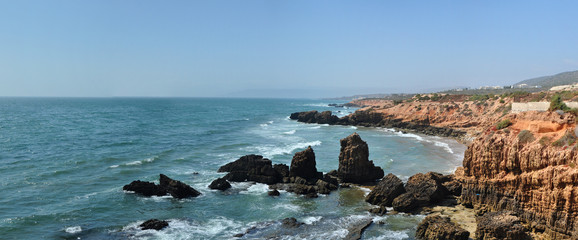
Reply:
x=380, y=211
x=355, y=231
x=274, y=193
x=154, y=224
x=177, y=189
x=167, y=186
x=220, y=184
x=304, y=165
x=405, y=203
x=422, y=190
x=253, y=168
x=440, y=228
x=386, y=190
x=291, y=223
x=354, y=164
x=145, y=188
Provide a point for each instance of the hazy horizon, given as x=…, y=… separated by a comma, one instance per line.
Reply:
x=286, y=49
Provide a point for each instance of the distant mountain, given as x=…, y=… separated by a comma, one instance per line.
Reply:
x=565, y=78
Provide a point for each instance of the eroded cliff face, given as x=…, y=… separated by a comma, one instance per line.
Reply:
x=531, y=168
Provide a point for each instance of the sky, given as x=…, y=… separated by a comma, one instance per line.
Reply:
x=269, y=48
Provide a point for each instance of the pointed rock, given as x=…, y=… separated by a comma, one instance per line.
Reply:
x=304, y=165
x=354, y=164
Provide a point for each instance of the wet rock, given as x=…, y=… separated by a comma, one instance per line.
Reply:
x=304, y=165
x=355, y=231
x=154, y=224
x=177, y=189
x=167, y=186
x=380, y=211
x=253, y=168
x=440, y=228
x=145, y=188
x=220, y=184
x=324, y=187
x=354, y=164
x=273, y=193
x=500, y=225
x=315, y=117
x=405, y=203
x=291, y=223
x=386, y=190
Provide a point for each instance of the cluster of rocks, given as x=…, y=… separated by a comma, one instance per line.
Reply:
x=167, y=186
x=302, y=176
x=369, y=118
x=419, y=191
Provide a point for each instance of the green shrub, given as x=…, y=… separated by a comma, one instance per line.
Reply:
x=502, y=101
x=568, y=139
x=525, y=136
x=557, y=104
x=544, y=141
x=503, y=124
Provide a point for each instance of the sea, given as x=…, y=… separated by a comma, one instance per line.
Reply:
x=64, y=161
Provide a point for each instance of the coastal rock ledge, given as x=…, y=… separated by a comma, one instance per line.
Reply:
x=434, y=227
x=167, y=186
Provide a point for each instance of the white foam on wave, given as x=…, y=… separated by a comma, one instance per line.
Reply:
x=135, y=163
x=287, y=206
x=390, y=235
x=257, y=189
x=353, y=127
x=444, y=145
x=365, y=190
x=436, y=140
x=273, y=150
x=290, y=132
x=312, y=219
x=316, y=105
x=183, y=229
x=73, y=230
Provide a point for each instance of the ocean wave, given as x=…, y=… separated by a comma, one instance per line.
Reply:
x=270, y=151
x=290, y=132
x=312, y=219
x=316, y=105
x=73, y=230
x=184, y=229
x=136, y=163
x=257, y=189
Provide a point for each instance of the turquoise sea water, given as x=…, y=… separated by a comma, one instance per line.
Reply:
x=63, y=162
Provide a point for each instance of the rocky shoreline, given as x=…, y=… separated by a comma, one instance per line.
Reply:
x=523, y=173
x=368, y=118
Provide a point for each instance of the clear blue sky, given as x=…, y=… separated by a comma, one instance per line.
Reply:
x=279, y=48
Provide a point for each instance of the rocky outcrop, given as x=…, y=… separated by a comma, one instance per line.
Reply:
x=254, y=168
x=500, y=225
x=177, y=189
x=354, y=164
x=536, y=178
x=220, y=184
x=386, y=190
x=420, y=190
x=440, y=228
x=315, y=117
x=167, y=186
x=304, y=165
x=301, y=178
x=370, y=118
x=154, y=224
x=355, y=231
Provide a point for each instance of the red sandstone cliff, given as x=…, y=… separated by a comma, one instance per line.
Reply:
x=529, y=167
x=534, y=174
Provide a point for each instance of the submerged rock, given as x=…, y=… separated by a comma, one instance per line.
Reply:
x=273, y=193
x=380, y=211
x=154, y=224
x=220, y=184
x=386, y=190
x=440, y=228
x=291, y=223
x=355, y=231
x=354, y=164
